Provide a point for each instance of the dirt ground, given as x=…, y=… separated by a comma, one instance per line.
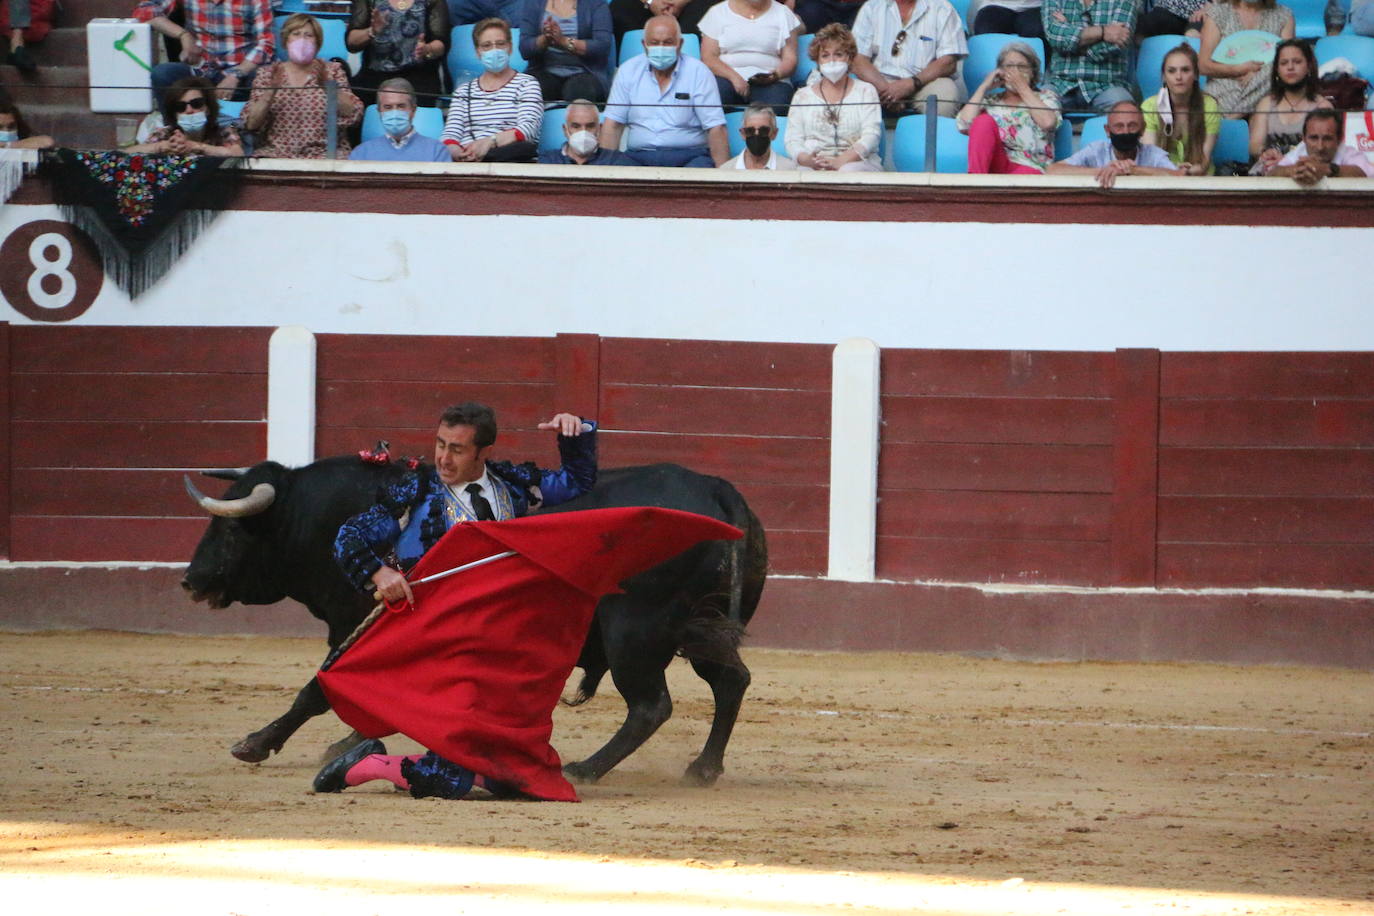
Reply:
x=873, y=782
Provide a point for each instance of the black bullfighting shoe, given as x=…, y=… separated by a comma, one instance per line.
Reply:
x=331, y=777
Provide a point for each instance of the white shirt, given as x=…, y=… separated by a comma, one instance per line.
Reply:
x=858, y=122
x=460, y=493
x=1345, y=155
x=750, y=46
x=775, y=162
x=934, y=30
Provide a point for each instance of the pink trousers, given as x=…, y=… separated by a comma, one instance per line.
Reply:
x=986, y=154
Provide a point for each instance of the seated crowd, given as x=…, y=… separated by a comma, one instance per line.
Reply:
x=866, y=59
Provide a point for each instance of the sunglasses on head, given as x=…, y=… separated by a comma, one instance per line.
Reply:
x=196, y=104
x=897, y=45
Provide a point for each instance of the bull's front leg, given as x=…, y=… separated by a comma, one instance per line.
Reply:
x=264, y=742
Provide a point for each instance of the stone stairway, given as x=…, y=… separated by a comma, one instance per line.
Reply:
x=56, y=100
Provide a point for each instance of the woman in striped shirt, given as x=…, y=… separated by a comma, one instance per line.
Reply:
x=496, y=117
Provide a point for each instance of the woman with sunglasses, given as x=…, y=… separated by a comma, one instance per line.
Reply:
x=835, y=122
x=1009, y=119
x=190, y=115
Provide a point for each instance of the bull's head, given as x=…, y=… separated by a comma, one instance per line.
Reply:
x=235, y=559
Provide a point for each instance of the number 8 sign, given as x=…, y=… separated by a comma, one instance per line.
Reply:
x=49, y=271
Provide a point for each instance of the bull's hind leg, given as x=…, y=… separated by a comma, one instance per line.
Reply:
x=728, y=683
x=637, y=659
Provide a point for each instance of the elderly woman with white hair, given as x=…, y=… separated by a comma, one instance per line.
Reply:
x=1009, y=120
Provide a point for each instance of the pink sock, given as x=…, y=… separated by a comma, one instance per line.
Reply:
x=379, y=766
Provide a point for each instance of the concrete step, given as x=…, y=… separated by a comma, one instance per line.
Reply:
x=63, y=46
x=79, y=12
x=72, y=125
x=50, y=85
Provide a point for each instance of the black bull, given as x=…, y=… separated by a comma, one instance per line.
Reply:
x=272, y=538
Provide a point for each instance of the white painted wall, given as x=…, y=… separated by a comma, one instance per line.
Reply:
x=957, y=285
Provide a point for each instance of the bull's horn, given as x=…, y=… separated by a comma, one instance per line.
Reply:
x=252, y=504
x=225, y=473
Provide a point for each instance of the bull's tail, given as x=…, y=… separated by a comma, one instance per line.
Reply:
x=586, y=688
x=711, y=636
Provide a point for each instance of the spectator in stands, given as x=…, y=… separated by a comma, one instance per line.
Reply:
x=287, y=107
x=817, y=14
x=569, y=46
x=759, y=128
x=751, y=47
x=910, y=50
x=1238, y=88
x=226, y=42
x=1122, y=153
x=628, y=15
x=580, y=128
x=1276, y=125
x=190, y=119
x=1171, y=17
x=495, y=117
x=399, y=38
x=835, y=123
x=1361, y=18
x=20, y=16
x=15, y=132
x=1323, y=152
x=471, y=12
x=1090, y=51
x=400, y=141
x=1182, y=119
x=670, y=103
x=1010, y=17
x=1010, y=120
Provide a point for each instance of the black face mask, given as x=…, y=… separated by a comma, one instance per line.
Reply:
x=758, y=144
x=1125, y=143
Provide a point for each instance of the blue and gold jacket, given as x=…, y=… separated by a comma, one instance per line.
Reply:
x=417, y=511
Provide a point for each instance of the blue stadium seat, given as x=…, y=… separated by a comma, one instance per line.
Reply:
x=632, y=45
x=1309, y=20
x=1233, y=144
x=1150, y=59
x=961, y=7
x=333, y=47
x=734, y=119
x=982, y=55
x=463, y=63
x=230, y=111
x=551, y=134
x=1358, y=49
x=428, y=121
x=1094, y=129
x=1063, y=140
x=909, y=146
x=804, y=62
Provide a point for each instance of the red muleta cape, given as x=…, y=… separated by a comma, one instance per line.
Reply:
x=473, y=671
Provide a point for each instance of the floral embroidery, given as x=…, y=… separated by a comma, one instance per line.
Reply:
x=136, y=180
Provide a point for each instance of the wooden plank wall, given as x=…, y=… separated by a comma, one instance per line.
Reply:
x=1266, y=473
x=394, y=387
x=103, y=422
x=757, y=414
x=996, y=466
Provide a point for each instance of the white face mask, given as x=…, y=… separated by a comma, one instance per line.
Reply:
x=834, y=70
x=9, y=136
x=582, y=142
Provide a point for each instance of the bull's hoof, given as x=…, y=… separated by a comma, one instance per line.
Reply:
x=250, y=752
x=580, y=773
x=700, y=775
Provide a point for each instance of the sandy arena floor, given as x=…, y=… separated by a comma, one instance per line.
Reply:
x=875, y=783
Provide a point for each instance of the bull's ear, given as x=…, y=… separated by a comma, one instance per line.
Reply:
x=225, y=473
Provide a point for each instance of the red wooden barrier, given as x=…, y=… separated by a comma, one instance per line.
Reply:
x=6, y=459
x=103, y=421
x=996, y=466
x=1266, y=470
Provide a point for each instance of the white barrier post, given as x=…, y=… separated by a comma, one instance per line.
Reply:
x=854, y=419
x=291, y=396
